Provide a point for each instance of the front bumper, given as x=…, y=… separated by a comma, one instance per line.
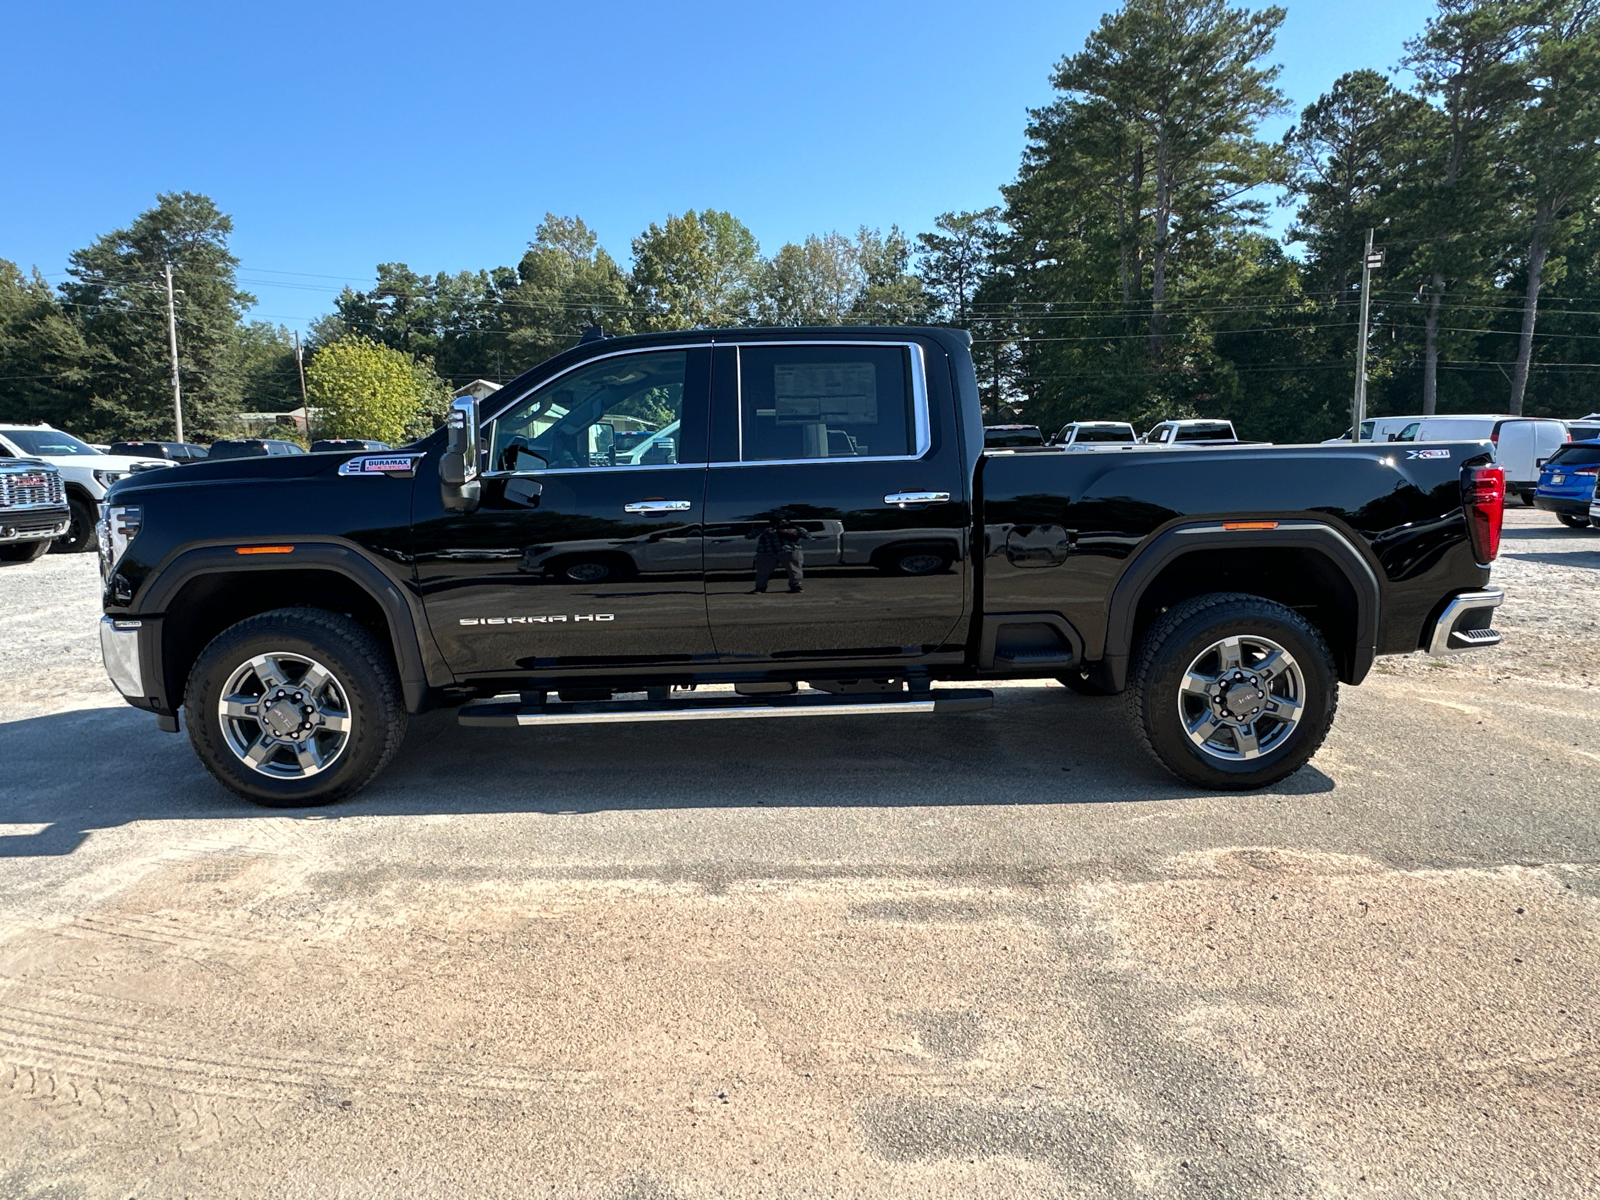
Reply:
x=119, y=650
x=33, y=524
x=1464, y=623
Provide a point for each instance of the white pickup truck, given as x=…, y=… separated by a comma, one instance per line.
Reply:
x=85, y=471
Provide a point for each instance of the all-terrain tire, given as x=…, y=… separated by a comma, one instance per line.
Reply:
x=21, y=552
x=365, y=677
x=1173, y=643
x=80, y=534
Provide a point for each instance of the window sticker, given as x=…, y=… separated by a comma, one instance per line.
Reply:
x=831, y=393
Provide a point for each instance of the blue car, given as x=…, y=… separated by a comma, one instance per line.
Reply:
x=1566, y=483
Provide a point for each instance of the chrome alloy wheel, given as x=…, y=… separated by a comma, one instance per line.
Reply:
x=1241, y=698
x=285, y=715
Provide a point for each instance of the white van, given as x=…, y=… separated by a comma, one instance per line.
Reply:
x=1375, y=429
x=1521, y=443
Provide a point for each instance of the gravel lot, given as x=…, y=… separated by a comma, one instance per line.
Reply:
x=993, y=955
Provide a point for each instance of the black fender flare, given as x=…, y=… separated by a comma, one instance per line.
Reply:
x=1173, y=543
x=401, y=610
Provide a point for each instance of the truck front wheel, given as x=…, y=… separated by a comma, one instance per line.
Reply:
x=80, y=534
x=298, y=706
x=1233, y=692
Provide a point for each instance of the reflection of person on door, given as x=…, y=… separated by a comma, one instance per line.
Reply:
x=779, y=543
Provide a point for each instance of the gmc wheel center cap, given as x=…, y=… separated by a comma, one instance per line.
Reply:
x=284, y=717
x=1243, y=700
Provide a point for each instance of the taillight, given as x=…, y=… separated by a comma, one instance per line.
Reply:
x=1483, y=499
x=1594, y=470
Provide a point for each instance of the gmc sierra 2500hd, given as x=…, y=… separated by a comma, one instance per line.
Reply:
x=597, y=540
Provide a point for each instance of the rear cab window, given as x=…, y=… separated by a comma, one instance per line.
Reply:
x=1104, y=435
x=1202, y=433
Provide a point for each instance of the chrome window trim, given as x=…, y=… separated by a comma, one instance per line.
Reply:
x=921, y=421
x=697, y=466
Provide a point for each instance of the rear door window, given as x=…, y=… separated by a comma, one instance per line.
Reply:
x=811, y=402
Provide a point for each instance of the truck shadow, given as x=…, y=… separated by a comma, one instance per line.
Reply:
x=1571, y=558
x=69, y=774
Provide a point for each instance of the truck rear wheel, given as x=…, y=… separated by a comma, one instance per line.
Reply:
x=1233, y=692
x=298, y=706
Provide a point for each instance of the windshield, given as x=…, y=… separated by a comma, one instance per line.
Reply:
x=47, y=441
x=1574, y=456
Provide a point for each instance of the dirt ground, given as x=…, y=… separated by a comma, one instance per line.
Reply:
x=982, y=956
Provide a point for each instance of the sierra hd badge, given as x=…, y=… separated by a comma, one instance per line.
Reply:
x=559, y=619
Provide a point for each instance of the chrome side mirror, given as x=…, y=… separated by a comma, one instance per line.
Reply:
x=458, y=467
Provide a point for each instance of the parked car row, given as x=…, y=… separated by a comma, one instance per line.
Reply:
x=1100, y=435
x=82, y=472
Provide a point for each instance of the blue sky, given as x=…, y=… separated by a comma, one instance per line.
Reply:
x=340, y=135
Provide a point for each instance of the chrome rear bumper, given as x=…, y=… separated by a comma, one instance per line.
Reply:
x=1464, y=624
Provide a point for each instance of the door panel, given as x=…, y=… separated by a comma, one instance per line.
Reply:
x=881, y=580
x=885, y=582
x=553, y=572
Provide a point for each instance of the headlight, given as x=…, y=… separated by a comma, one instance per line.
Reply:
x=107, y=478
x=117, y=528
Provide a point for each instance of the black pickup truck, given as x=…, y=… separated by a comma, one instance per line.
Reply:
x=595, y=541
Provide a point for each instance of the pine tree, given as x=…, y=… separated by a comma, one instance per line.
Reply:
x=118, y=295
x=1555, y=151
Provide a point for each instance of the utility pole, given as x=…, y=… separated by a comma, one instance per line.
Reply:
x=172, y=339
x=1358, y=402
x=301, y=367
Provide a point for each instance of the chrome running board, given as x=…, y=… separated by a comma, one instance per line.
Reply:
x=505, y=714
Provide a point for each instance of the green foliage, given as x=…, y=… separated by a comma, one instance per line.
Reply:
x=118, y=297
x=262, y=359
x=46, y=367
x=360, y=389
x=696, y=271
x=831, y=280
x=1131, y=218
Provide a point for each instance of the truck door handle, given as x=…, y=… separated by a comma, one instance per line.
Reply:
x=652, y=508
x=906, y=499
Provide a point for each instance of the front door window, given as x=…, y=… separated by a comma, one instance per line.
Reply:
x=625, y=411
